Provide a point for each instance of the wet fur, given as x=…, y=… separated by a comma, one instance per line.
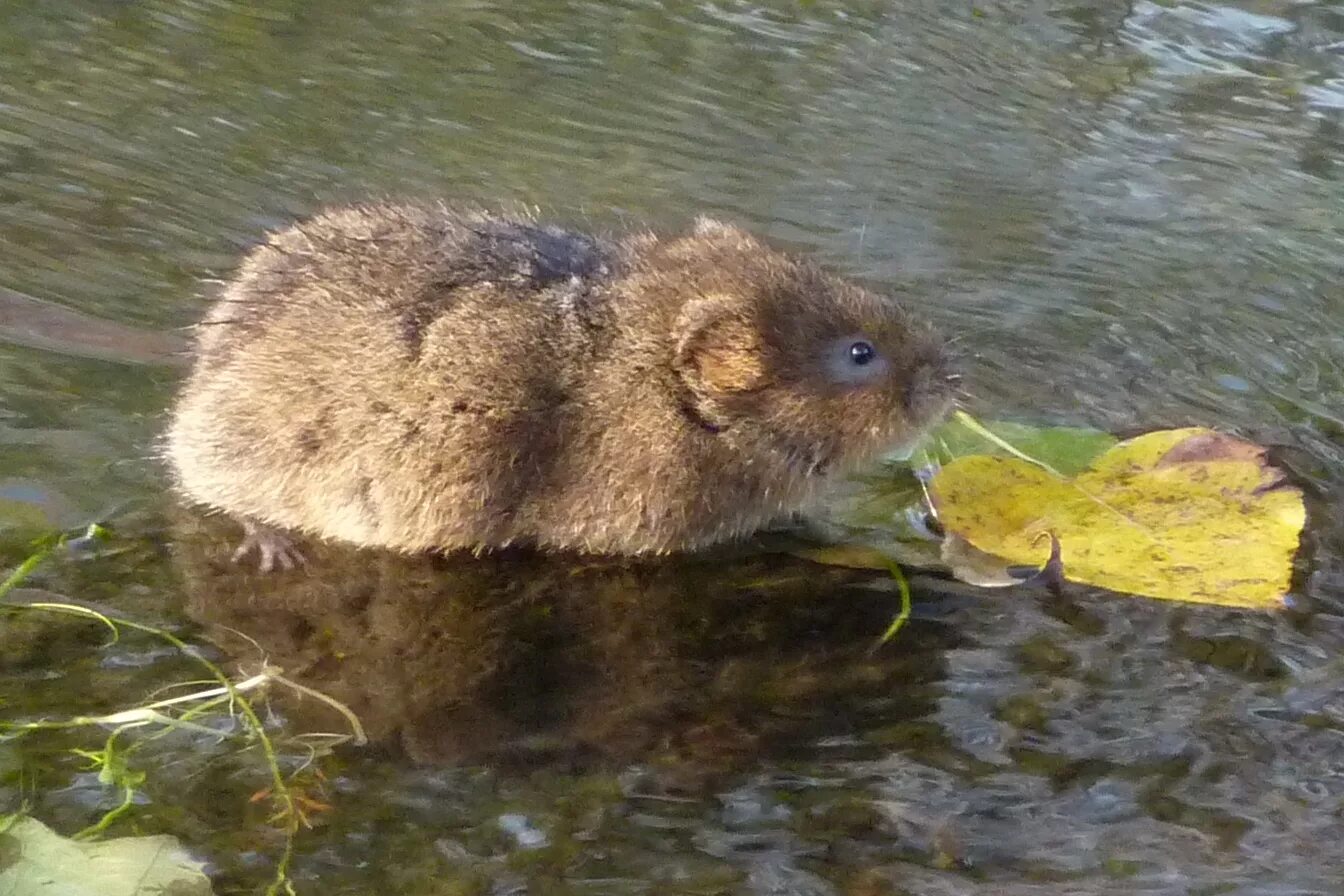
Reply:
x=416, y=377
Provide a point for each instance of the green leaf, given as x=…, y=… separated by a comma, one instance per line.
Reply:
x=34, y=859
x=1066, y=450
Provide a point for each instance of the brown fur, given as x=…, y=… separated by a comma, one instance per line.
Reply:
x=415, y=377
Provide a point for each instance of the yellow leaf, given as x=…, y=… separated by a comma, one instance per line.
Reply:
x=1187, y=514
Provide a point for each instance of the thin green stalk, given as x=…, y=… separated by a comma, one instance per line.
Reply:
x=979, y=429
x=25, y=569
x=903, y=585
x=102, y=824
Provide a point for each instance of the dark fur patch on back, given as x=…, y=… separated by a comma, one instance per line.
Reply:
x=517, y=253
x=541, y=255
x=308, y=442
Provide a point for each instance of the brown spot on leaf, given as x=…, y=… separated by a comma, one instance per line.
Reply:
x=1207, y=446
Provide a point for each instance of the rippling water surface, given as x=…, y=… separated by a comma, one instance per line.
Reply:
x=1129, y=213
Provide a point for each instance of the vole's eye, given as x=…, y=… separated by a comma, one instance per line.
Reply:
x=855, y=361
x=861, y=353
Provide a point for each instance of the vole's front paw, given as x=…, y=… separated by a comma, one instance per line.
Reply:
x=274, y=548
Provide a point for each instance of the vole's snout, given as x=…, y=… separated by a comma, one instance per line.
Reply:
x=933, y=387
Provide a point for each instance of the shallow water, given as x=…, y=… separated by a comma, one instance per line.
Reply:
x=1129, y=214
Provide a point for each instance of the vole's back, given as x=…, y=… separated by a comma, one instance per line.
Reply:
x=392, y=375
x=408, y=263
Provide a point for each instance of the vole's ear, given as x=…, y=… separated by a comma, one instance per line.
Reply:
x=718, y=349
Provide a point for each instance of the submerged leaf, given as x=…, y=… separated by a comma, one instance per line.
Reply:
x=976, y=567
x=1187, y=514
x=35, y=859
x=873, y=520
x=850, y=556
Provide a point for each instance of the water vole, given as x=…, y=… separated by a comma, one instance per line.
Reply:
x=417, y=377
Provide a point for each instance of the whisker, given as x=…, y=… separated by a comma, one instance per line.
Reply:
x=963, y=335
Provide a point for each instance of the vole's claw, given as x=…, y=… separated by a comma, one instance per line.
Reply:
x=274, y=548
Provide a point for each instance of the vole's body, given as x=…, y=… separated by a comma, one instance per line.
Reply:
x=420, y=378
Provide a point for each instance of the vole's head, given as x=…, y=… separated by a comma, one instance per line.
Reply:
x=787, y=360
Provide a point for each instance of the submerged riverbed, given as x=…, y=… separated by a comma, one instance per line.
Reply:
x=1129, y=215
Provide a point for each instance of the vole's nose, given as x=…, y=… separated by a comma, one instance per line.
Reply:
x=934, y=385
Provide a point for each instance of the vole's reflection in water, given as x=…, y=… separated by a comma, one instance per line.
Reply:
x=698, y=665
